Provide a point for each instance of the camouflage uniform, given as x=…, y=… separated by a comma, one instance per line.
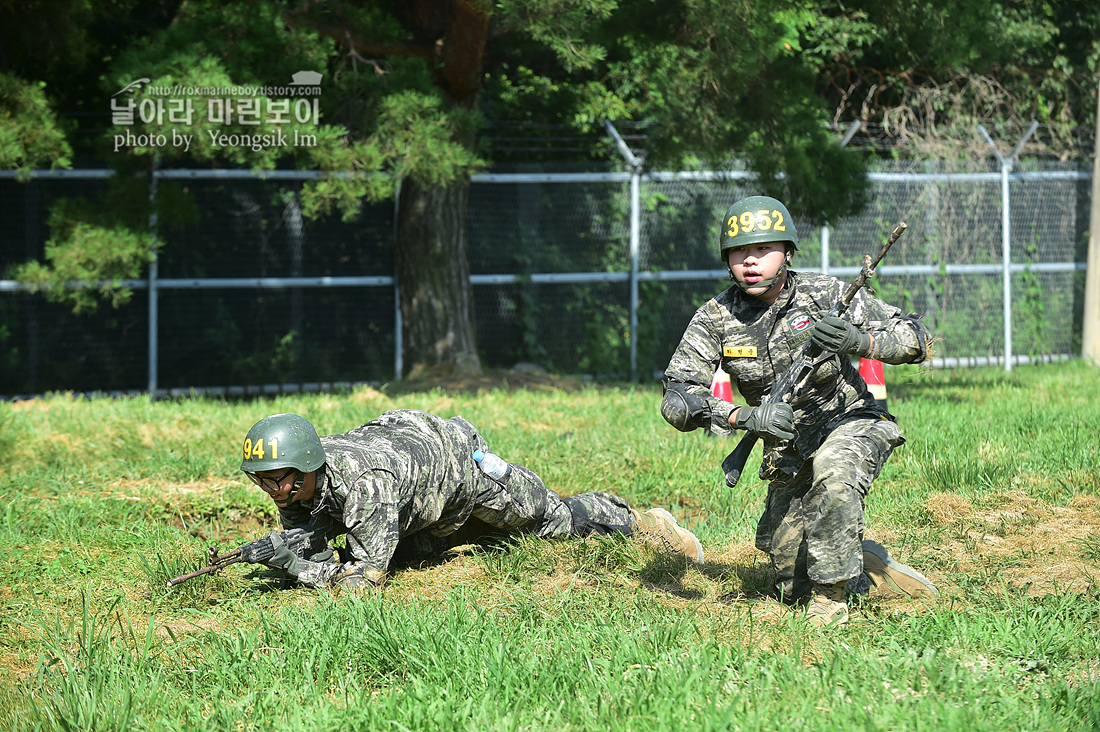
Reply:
x=402, y=485
x=817, y=482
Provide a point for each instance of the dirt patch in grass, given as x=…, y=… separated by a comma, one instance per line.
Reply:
x=136, y=490
x=19, y=656
x=199, y=508
x=36, y=404
x=178, y=629
x=1020, y=541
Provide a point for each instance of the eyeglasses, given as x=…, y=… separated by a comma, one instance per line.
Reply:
x=267, y=483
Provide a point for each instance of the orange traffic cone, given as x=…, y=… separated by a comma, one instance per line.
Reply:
x=720, y=386
x=871, y=371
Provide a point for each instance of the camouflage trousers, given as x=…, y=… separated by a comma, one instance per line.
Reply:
x=522, y=504
x=813, y=521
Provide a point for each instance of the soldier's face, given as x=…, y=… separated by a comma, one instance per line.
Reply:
x=284, y=487
x=758, y=263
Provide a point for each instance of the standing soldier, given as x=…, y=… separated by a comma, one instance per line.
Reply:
x=402, y=486
x=821, y=451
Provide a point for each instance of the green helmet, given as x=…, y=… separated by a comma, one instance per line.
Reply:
x=281, y=441
x=753, y=220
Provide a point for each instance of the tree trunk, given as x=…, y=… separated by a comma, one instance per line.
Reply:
x=433, y=275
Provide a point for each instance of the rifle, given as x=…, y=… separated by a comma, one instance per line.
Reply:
x=804, y=362
x=302, y=541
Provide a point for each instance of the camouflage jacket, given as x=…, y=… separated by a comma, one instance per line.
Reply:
x=406, y=471
x=755, y=343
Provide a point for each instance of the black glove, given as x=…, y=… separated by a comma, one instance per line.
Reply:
x=272, y=551
x=683, y=410
x=839, y=336
x=767, y=420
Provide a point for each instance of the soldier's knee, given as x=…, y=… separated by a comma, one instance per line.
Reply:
x=578, y=513
x=833, y=472
x=830, y=492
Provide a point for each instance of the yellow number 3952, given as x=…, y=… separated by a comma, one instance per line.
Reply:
x=760, y=220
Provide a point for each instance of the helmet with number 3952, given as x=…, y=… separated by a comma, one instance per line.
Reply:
x=282, y=441
x=754, y=220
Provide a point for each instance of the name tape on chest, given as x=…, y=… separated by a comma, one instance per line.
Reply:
x=739, y=351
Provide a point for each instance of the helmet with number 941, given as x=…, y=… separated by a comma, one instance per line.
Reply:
x=282, y=441
x=754, y=220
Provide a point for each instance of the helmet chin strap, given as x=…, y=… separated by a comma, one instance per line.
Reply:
x=293, y=491
x=297, y=487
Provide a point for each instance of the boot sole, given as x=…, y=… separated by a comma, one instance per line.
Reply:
x=884, y=556
x=698, y=547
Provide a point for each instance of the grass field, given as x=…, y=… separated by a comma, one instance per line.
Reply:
x=996, y=497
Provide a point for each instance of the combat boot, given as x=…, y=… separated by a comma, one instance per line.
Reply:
x=887, y=575
x=828, y=605
x=659, y=529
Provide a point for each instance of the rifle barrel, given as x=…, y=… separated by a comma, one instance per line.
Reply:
x=191, y=575
x=221, y=561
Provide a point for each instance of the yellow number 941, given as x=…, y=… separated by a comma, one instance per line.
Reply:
x=255, y=450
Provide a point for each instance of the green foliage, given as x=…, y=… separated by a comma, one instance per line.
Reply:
x=31, y=134
x=102, y=241
x=96, y=255
x=942, y=68
x=1090, y=548
x=407, y=133
x=402, y=131
x=556, y=23
x=424, y=139
x=82, y=251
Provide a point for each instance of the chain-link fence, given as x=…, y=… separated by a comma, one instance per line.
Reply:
x=247, y=296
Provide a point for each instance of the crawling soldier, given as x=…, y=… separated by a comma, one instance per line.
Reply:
x=406, y=486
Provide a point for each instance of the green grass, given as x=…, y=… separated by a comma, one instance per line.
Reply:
x=996, y=497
